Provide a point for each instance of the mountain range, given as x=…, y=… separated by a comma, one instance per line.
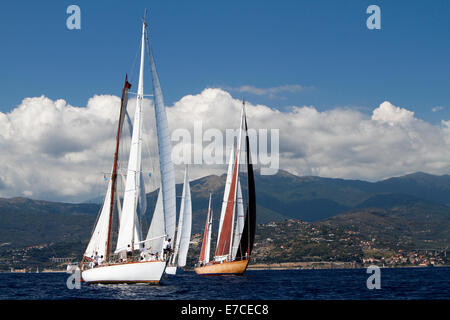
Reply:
x=417, y=202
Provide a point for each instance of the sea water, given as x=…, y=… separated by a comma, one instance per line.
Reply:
x=332, y=284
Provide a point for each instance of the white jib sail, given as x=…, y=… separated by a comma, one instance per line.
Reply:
x=208, y=237
x=186, y=223
x=165, y=153
x=156, y=229
x=128, y=234
x=97, y=243
x=239, y=221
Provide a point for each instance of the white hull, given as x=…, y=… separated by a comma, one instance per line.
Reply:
x=171, y=270
x=133, y=272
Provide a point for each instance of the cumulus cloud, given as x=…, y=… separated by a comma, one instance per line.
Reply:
x=52, y=150
x=343, y=143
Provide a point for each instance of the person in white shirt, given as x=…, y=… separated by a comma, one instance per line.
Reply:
x=167, y=247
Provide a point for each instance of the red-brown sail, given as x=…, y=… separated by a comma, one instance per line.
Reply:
x=224, y=243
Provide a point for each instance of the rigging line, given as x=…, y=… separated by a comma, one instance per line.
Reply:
x=134, y=62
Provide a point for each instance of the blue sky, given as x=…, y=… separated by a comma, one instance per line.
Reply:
x=323, y=46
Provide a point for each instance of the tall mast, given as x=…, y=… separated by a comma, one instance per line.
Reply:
x=128, y=226
x=248, y=234
x=225, y=238
x=123, y=104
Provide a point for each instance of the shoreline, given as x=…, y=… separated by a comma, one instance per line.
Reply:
x=281, y=266
x=325, y=265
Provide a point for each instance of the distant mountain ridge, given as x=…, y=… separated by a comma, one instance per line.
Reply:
x=279, y=197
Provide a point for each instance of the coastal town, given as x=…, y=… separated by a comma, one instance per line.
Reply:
x=290, y=244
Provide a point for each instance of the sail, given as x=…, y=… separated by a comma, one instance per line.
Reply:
x=248, y=234
x=206, y=243
x=224, y=243
x=98, y=242
x=180, y=223
x=142, y=203
x=165, y=153
x=155, y=236
x=227, y=189
x=128, y=234
x=240, y=220
x=186, y=222
x=100, y=239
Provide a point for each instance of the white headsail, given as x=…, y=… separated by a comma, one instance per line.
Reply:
x=165, y=153
x=155, y=236
x=99, y=237
x=184, y=224
x=208, y=234
x=240, y=220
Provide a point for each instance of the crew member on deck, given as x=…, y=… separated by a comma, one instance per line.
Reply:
x=167, y=248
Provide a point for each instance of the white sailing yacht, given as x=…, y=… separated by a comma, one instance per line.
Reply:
x=183, y=238
x=135, y=260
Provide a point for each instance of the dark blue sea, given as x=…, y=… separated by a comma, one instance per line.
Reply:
x=333, y=284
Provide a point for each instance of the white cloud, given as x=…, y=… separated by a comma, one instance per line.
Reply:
x=271, y=92
x=391, y=114
x=52, y=150
x=436, y=109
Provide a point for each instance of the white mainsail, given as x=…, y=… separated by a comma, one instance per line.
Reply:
x=128, y=234
x=184, y=224
x=165, y=154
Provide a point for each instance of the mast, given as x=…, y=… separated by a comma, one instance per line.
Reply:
x=123, y=105
x=224, y=243
x=100, y=241
x=127, y=231
x=248, y=234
